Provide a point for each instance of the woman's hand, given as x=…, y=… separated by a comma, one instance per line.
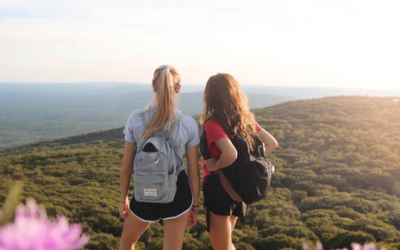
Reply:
x=124, y=207
x=194, y=213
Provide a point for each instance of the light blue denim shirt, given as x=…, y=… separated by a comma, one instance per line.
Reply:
x=186, y=133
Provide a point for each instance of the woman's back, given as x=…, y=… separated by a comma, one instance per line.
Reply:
x=185, y=133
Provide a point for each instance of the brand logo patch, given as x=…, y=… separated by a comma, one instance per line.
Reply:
x=269, y=170
x=150, y=192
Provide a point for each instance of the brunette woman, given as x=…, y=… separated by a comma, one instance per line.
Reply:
x=226, y=113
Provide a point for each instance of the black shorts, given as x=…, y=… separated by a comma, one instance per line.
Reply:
x=219, y=202
x=153, y=212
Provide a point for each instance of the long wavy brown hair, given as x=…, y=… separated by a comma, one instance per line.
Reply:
x=226, y=103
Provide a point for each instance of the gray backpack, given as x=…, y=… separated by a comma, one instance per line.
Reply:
x=156, y=166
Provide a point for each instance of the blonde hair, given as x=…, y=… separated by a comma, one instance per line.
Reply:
x=165, y=82
x=226, y=103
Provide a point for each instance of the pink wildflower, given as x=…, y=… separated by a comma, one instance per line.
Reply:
x=319, y=246
x=32, y=230
x=369, y=246
x=356, y=246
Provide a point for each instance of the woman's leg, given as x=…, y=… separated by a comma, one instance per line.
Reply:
x=220, y=232
x=233, y=220
x=174, y=231
x=131, y=232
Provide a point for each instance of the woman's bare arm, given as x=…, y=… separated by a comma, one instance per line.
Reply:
x=192, y=155
x=126, y=168
x=269, y=141
x=228, y=155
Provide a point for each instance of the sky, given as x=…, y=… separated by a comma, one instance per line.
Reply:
x=324, y=43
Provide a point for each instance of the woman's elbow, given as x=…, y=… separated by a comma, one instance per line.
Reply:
x=271, y=146
x=232, y=156
x=125, y=169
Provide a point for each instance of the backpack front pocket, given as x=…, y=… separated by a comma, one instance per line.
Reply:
x=147, y=162
x=150, y=187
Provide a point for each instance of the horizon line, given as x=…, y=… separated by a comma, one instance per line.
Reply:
x=193, y=84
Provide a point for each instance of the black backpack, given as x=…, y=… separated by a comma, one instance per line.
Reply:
x=248, y=179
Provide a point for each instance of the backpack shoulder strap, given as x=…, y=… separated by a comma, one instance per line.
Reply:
x=203, y=144
x=144, y=119
x=167, y=126
x=173, y=144
x=180, y=117
x=170, y=140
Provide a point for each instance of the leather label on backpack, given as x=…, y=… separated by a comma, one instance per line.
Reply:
x=150, y=192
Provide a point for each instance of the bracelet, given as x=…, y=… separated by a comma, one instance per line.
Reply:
x=195, y=206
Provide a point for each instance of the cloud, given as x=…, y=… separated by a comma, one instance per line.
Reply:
x=10, y=4
x=276, y=42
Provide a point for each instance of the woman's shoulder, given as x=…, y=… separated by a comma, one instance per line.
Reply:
x=134, y=119
x=135, y=113
x=188, y=120
x=212, y=124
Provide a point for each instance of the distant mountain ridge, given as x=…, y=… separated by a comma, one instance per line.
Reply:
x=31, y=112
x=298, y=92
x=37, y=113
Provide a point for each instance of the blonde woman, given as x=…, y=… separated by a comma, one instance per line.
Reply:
x=226, y=114
x=183, y=210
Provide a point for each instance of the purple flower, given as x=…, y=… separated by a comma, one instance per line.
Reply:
x=32, y=230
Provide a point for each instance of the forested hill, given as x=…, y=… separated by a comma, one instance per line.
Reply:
x=337, y=179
